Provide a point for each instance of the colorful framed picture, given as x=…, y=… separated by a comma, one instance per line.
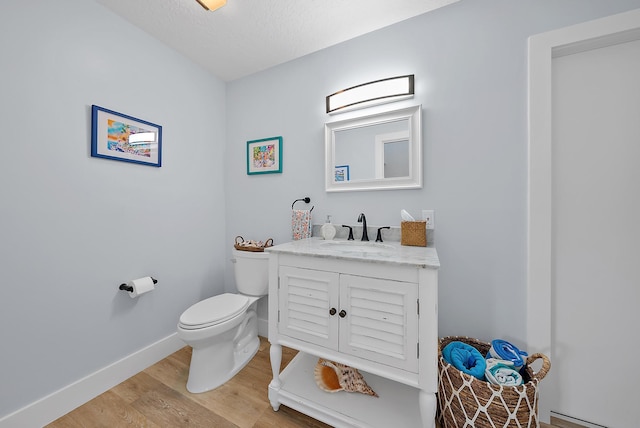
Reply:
x=264, y=156
x=120, y=137
x=341, y=173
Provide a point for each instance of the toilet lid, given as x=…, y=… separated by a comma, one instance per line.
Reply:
x=214, y=310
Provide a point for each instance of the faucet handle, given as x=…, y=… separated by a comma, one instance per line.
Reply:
x=350, y=238
x=379, y=237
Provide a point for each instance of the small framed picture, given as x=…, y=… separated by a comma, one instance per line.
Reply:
x=264, y=156
x=121, y=137
x=341, y=173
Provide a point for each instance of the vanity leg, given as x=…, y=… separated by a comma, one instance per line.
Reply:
x=275, y=353
x=427, y=401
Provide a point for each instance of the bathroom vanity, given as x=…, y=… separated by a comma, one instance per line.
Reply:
x=371, y=306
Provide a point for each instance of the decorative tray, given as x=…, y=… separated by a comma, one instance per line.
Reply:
x=255, y=246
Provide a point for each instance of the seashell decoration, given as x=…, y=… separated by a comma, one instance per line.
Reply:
x=333, y=377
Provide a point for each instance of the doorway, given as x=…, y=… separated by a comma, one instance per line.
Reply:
x=566, y=267
x=595, y=234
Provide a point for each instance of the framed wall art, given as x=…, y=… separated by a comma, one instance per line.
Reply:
x=264, y=156
x=125, y=138
x=341, y=173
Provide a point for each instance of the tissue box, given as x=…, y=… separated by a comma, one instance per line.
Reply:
x=413, y=233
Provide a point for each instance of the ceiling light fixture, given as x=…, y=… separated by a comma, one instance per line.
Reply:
x=212, y=4
x=371, y=93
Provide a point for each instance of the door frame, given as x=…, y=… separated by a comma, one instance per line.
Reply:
x=615, y=29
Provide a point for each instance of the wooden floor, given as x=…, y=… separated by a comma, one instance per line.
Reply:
x=157, y=397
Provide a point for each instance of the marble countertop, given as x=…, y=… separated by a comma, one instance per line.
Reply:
x=390, y=252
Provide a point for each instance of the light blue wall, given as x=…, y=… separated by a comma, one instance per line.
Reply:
x=73, y=227
x=470, y=63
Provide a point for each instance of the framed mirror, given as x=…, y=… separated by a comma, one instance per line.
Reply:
x=375, y=152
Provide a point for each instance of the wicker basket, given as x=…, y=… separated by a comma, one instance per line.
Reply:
x=464, y=401
x=413, y=233
x=242, y=245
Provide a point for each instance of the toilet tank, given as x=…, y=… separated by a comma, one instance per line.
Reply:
x=252, y=272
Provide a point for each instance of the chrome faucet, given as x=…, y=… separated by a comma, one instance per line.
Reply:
x=362, y=219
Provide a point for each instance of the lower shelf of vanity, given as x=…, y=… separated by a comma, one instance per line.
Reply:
x=396, y=406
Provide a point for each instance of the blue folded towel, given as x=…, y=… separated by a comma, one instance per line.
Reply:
x=465, y=358
x=503, y=350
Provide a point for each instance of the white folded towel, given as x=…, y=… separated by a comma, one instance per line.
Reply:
x=502, y=372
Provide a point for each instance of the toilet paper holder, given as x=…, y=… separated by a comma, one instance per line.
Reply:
x=129, y=288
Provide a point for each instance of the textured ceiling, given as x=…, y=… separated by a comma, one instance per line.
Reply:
x=247, y=36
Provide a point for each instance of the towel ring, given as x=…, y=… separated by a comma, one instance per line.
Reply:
x=306, y=200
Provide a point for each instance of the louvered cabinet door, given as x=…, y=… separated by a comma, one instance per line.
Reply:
x=306, y=297
x=380, y=320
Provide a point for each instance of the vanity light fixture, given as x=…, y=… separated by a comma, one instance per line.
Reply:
x=371, y=93
x=212, y=4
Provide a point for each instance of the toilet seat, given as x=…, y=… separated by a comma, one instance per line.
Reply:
x=214, y=310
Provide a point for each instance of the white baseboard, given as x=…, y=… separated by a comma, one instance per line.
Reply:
x=61, y=402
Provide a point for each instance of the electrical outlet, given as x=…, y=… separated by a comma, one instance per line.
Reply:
x=429, y=216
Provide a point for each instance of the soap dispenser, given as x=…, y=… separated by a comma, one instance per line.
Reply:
x=328, y=230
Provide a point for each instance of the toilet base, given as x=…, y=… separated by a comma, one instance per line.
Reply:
x=214, y=366
x=200, y=382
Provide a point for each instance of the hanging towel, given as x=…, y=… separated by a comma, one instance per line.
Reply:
x=465, y=358
x=501, y=372
x=503, y=350
x=300, y=224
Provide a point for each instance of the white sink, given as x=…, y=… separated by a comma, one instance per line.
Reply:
x=358, y=246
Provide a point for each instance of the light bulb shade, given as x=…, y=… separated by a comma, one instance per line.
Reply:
x=212, y=4
x=371, y=93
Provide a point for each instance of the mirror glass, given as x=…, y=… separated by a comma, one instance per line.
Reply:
x=381, y=151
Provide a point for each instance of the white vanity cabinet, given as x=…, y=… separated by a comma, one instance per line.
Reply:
x=376, y=312
x=367, y=317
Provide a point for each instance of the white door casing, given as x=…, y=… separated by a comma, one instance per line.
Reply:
x=542, y=49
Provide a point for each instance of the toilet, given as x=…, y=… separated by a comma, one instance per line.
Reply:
x=223, y=329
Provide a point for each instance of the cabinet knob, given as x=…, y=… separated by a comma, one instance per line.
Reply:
x=343, y=313
x=332, y=311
